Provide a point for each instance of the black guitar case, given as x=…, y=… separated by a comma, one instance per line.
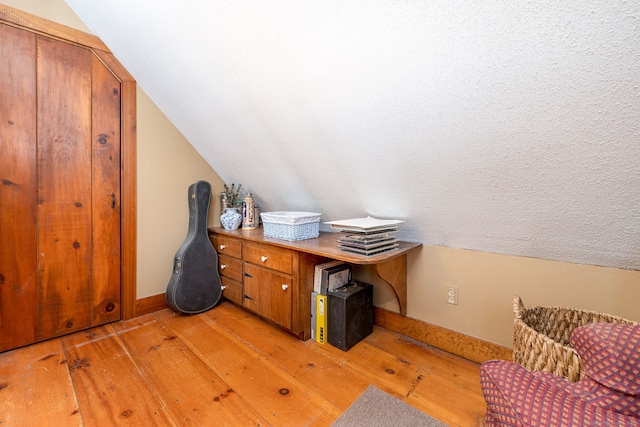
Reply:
x=195, y=284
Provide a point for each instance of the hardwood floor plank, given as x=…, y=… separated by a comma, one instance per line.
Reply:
x=415, y=385
x=277, y=396
x=26, y=395
x=192, y=393
x=399, y=360
x=331, y=379
x=443, y=400
x=224, y=367
x=462, y=372
x=110, y=388
x=443, y=376
x=389, y=371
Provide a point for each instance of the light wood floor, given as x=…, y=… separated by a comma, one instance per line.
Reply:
x=224, y=367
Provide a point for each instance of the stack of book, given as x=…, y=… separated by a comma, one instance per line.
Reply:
x=341, y=309
x=327, y=277
x=367, y=236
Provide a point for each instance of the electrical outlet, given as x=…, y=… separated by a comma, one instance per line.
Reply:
x=452, y=295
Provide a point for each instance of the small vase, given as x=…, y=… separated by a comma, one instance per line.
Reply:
x=231, y=219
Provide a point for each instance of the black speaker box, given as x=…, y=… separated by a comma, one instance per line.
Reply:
x=350, y=310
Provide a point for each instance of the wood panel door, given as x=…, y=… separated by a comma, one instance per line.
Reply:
x=256, y=292
x=18, y=206
x=281, y=291
x=59, y=199
x=268, y=294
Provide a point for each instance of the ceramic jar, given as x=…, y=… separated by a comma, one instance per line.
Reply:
x=231, y=219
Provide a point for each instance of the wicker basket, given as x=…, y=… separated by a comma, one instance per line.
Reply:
x=291, y=225
x=541, y=337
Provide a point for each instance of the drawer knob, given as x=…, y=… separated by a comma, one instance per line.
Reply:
x=223, y=287
x=223, y=266
x=285, y=287
x=263, y=258
x=222, y=247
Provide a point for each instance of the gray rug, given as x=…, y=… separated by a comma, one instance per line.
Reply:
x=375, y=408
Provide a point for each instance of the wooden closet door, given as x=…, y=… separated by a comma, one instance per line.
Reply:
x=60, y=172
x=18, y=281
x=64, y=187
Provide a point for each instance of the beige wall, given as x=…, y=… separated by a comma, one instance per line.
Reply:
x=168, y=164
x=53, y=10
x=487, y=282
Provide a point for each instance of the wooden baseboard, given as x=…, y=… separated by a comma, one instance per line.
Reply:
x=453, y=342
x=150, y=304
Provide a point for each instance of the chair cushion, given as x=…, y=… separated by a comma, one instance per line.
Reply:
x=610, y=354
x=517, y=398
x=597, y=394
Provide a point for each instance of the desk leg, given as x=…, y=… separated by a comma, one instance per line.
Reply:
x=394, y=272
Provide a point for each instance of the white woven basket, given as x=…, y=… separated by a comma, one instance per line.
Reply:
x=291, y=225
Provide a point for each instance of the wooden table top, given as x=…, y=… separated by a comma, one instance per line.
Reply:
x=326, y=244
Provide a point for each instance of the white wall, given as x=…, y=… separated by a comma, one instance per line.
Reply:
x=504, y=127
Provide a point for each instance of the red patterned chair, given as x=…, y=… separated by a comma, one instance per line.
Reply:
x=608, y=395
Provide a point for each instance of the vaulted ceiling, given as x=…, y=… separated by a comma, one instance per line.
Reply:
x=507, y=127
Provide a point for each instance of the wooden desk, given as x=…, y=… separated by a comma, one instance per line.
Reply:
x=390, y=266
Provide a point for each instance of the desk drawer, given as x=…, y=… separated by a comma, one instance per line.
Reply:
x=230, y=267
x=230, y=247
x=266, y=257
x=232, y=291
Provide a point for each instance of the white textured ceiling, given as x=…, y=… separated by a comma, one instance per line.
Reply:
x=502, y=126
